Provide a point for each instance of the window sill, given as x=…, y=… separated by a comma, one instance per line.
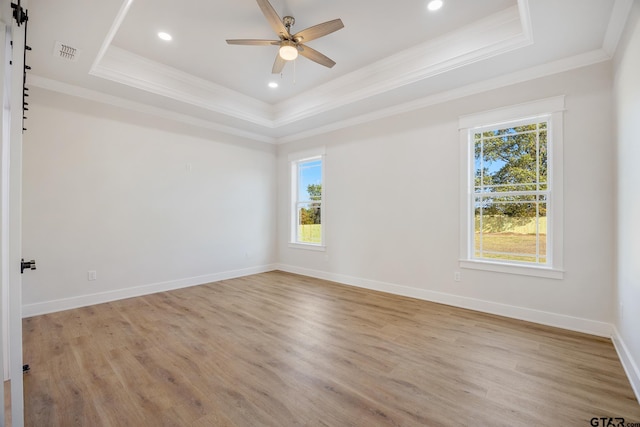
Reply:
x=308, y=246
x=523, y=270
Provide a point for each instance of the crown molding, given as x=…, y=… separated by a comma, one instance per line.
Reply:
x=122, y=13
x=499, y=33
x=555, y=67
x=92, y=95
x=133, y=70
x=544, y=70
x=617, y=23
x=525, y=19
x=502, y=32
x=494, y=35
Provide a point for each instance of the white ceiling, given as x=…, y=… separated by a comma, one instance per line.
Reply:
x=391, y=56
x=373, y=31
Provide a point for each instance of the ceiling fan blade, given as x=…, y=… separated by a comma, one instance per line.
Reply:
x=317, y=31
x=278, y=65
x=273, y=18
x=316, y=56
x=254, y=42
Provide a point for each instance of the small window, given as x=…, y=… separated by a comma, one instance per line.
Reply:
x=307, y=178
x=512, y=189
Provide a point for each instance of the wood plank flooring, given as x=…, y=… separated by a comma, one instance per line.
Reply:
x=277, y=349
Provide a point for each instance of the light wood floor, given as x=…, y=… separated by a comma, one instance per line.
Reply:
x=7, y=403
x=278, y=349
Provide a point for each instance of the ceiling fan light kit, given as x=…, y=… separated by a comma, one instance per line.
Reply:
x=288, y=51
x=290, y=45
x=434, y=5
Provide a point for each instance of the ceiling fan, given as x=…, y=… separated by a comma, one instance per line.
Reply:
x=292, y=44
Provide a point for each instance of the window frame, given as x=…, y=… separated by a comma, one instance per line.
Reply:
x=551, y=108
x=295, y=159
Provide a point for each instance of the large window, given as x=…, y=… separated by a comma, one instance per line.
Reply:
x=307, y=173
x=512, y=193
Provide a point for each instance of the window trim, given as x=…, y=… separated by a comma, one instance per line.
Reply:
x=294, y=160
x=552, y=107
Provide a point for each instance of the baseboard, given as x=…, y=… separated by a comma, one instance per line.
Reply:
x=577, y=324
x=546, y=318
x=629, y=365
x=36, y=309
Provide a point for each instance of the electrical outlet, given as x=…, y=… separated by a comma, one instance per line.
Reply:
x=456, y=276
x=91, y=275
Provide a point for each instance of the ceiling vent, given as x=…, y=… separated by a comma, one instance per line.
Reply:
x=66, y=52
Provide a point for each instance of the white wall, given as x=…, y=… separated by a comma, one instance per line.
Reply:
x=110, y=191
x=627, y=105
x=147, y=204
x=392, y=207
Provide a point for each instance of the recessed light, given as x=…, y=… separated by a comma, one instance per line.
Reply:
x=434, y=5
x=164, y=36
x=273, y=85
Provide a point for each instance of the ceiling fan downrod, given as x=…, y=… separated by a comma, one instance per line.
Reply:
x=288, y=22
